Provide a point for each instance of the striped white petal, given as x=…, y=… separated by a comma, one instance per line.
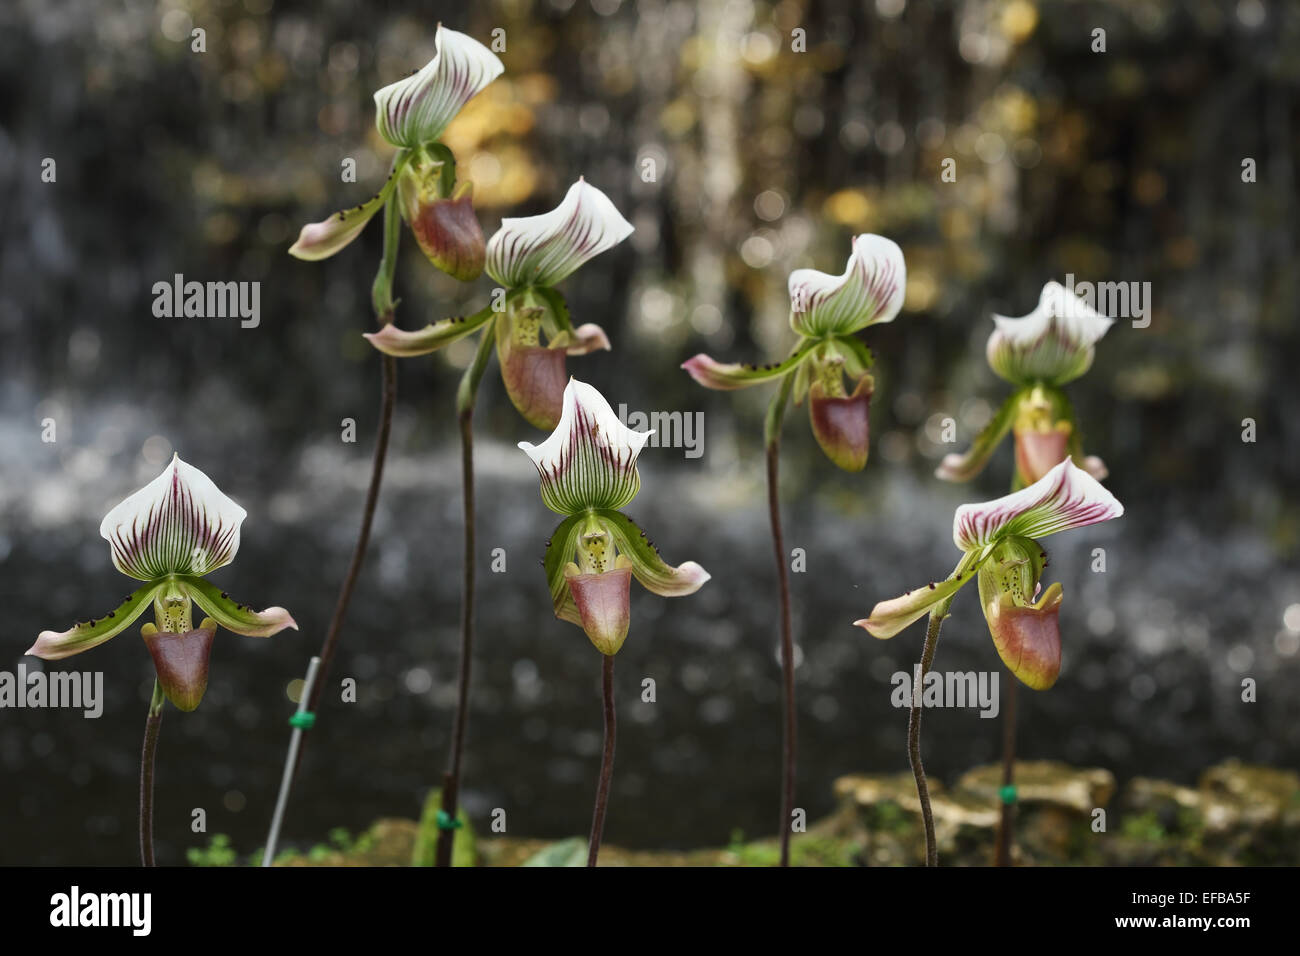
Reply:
x=870, y=290
x=1064, y=498
x=590, y=459
x=1054, y=343
x=417, y=109
x=179, y=523
x=543, y=250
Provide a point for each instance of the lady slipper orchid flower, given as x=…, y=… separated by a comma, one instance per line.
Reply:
x=588, y=473
x=411, y=115
x=170, y=534
x=1038, y=353
x=826, y=312
x=998, y=541
x=528, y=257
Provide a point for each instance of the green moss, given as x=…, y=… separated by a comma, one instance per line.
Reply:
x=218, y=852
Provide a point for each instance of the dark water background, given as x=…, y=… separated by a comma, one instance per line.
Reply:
x=206, y=164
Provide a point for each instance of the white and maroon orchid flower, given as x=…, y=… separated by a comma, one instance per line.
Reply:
x=412, y=114
x=533, y=333
x=169, y=535
x=827, y=311
x=588, y=473
x=998, y=541
x=416, y=110
x=1038, y=353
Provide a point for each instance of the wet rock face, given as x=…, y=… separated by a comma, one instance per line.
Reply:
x=1054, y=815
x=1238, y=814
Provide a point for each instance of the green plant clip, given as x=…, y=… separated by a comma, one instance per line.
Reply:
x=304, y=720
x=447, y=822
x=1008, y=794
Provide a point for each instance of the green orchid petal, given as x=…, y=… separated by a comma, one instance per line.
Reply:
x=889, y=617
x=556, y=318
x=726, y=378
x=648, y=567
x=320, y=240
x=394, y=341
x=559, y=553
x=55, y=645
x=956, y=467
x=239, y=618
x=858, y=359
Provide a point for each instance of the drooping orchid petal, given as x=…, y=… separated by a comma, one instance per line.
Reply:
x=1052, y=344
x=181, y=661
x=56, y=645
x=543, y=250
x=869, y=292
x=239, y=618
x=394, y=341
x=955, y=467
x=728, y=377
x=889, y=617
x=1066, y=497
x=415, y=110
x=320, y=240
x=179, y=523
x=652, y=571
x=589, y=461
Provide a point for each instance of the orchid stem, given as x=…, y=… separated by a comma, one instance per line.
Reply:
x=151, y=728
x=606, y=761
x=914, y=730
x=1003, y=854
x=465, y=398
x=789, y=740
x=384, y=305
